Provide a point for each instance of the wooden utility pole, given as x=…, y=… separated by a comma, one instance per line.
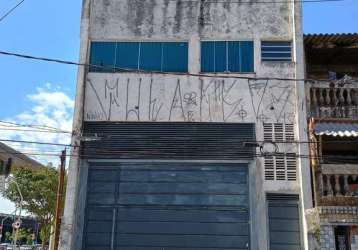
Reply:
x=59, y=200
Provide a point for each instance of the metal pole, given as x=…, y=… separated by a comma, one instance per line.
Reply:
x=61, y=180
x=19, y=217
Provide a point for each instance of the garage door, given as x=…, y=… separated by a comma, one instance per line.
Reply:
x=167, y=206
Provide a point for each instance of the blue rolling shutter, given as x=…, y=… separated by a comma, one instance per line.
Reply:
x=234, y=55
x=175, y=57
x=171, y=206
x=284, y=222
x=102, y=54
x=220, y=57
x=247, y=56
x=150, y=57
x=127, y=55
x=207, y=56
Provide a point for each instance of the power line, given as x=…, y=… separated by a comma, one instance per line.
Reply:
x=261, y=2
x=35, y=130
x=37, y=142
x=113, y=68
x=331, y=158
x=42, y=127
x=11, y=10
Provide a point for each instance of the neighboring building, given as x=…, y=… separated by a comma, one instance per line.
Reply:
x=168, y=160
x=18, y=159
x=333, y=124
x=6, y=206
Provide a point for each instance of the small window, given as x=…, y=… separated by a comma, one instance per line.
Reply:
x=276, y=51
x=102, y=55
x=227, y=56
x=148, y=56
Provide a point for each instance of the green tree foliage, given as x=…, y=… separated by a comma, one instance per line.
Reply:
x=38, y=188
x=23, y=235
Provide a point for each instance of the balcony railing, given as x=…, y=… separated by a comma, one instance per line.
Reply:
x=336, y=184
x=334, y=100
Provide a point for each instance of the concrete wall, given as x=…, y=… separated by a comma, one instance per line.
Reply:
x=160, y=97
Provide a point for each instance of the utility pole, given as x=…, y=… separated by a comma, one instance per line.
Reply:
x=59, y=200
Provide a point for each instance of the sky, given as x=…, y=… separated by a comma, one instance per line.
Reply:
x=43, y=93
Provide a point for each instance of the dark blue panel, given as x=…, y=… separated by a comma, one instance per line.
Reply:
x=127, y=55
x=247, y=56
x=169, y=209
x=207, y=56
x=284, y=224
x=220, y=57
x=175, y=57
x=150, y=56
x=102, y=54
x=234, y=57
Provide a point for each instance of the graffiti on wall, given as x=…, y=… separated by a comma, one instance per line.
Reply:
x=124, y=97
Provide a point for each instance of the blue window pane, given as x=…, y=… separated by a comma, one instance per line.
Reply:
x=247, y=56
x=150, y=56
x=175, y=57
x=207, y=56
x=127, y=55
x=102, y=54
x=220, y=57
x=234, y=57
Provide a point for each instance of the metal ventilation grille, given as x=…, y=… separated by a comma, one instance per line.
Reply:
x=278, y=132
x=289, y=132
x=291, y=165
x=269, y=168
x=169, y=140
x=294, y=198
x=268, y=129
x=281, y=167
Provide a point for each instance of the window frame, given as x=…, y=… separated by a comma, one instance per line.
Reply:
x=276, y=60
x=114, y=70
x=227, y=57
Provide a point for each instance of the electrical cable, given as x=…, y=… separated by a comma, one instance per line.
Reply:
x=33, y=130
x=158, y=72
x=263, y=2
x=11, y=10
x=43, y=127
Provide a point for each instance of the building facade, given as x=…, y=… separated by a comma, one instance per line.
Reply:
x=333, y=125
x=187, y=127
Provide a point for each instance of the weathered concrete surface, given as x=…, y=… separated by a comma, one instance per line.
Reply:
x=133, y=97
x=180, y=19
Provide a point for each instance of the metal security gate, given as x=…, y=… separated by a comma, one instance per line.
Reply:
x=284, y=221
x=167, y=206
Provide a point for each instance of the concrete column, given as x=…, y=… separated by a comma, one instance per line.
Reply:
x=194, y=55
x=301, y=119
x=68, y=225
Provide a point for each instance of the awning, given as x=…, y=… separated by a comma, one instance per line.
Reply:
x=337, y=129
